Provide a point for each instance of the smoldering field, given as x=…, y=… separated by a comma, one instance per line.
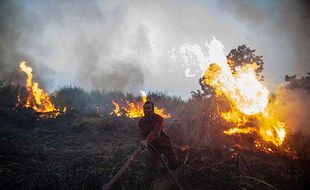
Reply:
x=84, y=147
x=78, y=49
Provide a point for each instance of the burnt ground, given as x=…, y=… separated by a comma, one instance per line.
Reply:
x=76, y=151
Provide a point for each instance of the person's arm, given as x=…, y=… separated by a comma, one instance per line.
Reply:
x=141, y=130
x=158, y=126
x=143, y=140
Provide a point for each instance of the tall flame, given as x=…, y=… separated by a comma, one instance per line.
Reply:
x=135, y=109
x=248, y=98
x=37, y=99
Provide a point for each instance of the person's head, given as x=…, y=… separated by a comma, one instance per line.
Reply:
x=148, y=108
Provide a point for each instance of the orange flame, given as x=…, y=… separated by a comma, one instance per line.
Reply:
x=117, y=110
x=248, y=98
x=135, y=109
x=236, y=130
x=37, y=99
x=246, y=94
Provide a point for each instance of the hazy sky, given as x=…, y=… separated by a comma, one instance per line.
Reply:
x=134, y=45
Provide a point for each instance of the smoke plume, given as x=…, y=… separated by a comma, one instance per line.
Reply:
x=127, y=45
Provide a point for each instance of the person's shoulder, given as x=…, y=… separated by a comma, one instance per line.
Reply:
x=158, y=117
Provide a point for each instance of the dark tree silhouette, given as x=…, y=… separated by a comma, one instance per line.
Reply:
x=243, y=55
x=303, y=82
x=240, y=56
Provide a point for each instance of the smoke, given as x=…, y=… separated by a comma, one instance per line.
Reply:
x=284, y=25
x=8, y=38
x=12, y=26
x=71, y=43
x=127, y=45
x=279, y=32
x=117, y=74
x=302, y=37
x=292, y=107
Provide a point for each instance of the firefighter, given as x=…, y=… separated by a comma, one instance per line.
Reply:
x=152, y=132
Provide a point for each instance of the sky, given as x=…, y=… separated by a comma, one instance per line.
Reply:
x=135, y=45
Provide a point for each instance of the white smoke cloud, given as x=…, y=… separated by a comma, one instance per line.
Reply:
x=127, y=45
x=291, y=106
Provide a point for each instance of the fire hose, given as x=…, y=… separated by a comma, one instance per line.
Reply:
x=165, y=165
x=123, y=168
x=109, y=185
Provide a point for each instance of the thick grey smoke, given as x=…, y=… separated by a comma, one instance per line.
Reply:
x=127, y=45
x=13, y=28
x=291, y=106
x=280, y=33
x=8, y=38
x=71, y=43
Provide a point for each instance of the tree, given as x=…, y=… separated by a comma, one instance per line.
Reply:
x=243, y=55
x=303, y=82
x=240, y=56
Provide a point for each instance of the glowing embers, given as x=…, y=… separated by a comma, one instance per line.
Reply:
x=237, y=130
x=135, y=109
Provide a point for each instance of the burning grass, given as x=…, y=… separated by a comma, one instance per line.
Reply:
x=234, y=135
x=36, y=99
x=135, y=109
x=79, y=151
x=247, y=100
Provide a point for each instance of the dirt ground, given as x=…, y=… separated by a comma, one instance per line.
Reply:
x=75, y=151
